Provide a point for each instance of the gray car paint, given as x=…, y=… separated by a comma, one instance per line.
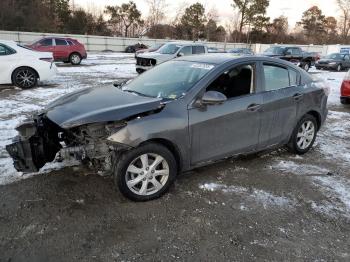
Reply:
x=94, y=105
x=213, y=132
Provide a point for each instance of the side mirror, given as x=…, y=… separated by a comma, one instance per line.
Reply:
x=180, y=54
x=213, y=98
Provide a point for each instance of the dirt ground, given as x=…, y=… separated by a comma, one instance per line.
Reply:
x=271, y=206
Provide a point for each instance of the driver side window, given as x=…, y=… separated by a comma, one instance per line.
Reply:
x=235, y=82
x=187, y=50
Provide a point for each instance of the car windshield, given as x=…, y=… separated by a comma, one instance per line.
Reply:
x=169, y=49
x=170, y=80
x=274, y=50
x=333, y=56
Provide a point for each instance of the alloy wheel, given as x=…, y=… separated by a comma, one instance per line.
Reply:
x=75, y=59
x=25, y=78
x=306, y=134
x=147, y=174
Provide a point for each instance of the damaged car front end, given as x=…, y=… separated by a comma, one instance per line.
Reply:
x=74, y=128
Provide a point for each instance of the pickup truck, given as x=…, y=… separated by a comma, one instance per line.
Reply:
x=168, y=52
x=292, y=54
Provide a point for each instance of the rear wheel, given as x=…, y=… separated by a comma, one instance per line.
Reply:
x=145, y=173
x=304, y=135
x=75, y=59
x=24, y=77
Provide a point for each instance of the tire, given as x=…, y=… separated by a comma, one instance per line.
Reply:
x=306, y=66
x=75, y=59
x=303, y=131
x=25, y=77
x=339, y=68
x=135, y=176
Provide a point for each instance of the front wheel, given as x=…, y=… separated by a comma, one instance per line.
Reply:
x=306, y=67
x=304, y=135
x=145, y=173
x=24, y=77
x=75, y=59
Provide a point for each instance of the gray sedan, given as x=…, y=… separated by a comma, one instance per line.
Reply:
x=178, y=116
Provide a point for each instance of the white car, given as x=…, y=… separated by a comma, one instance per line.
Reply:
x=24, y=67
x=167, y=52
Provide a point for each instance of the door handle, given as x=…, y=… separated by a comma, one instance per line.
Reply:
x=298, y=96
x=254, y=107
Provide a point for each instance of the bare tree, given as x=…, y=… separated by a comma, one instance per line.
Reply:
x=157, y=11
x=344, y=6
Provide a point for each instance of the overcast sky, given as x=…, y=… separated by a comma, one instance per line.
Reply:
x=293, y=9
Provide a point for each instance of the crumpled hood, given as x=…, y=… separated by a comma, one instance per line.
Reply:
x=94, y=105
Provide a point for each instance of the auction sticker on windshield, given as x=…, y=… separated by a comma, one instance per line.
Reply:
x=203, y=66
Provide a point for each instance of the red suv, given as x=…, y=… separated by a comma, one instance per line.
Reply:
x=345, y=90
x=67, y=50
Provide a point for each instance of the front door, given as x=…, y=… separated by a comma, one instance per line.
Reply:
x=230, y=128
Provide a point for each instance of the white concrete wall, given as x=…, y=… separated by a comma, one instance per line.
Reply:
x=118, y=44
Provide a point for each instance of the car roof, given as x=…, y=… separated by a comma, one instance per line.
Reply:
x=183, y=44
x=217, y=59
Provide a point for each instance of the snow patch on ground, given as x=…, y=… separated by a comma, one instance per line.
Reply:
x=265, y=198
x=336, y=188
x=299, y=169
x=334, y=80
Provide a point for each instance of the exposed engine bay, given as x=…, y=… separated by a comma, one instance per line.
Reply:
x=41, y=141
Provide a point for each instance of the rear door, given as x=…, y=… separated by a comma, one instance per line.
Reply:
x=61, y=49
x=281, y=97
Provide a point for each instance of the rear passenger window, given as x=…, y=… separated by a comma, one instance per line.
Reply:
x=276, y=77
x=4, y=50
x=198, y=50
x=60, y=42
x=70, y=42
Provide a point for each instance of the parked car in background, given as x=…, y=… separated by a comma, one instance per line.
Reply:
x=135, y=48
x=316, y=56
x=241, y=51
x=345, y=90
x=215, y=50
x=167, y=52
x=180, y=115
x=66, y=50
x=292, y=54
x=336, y=61
x=24, y=67
x=151, y=49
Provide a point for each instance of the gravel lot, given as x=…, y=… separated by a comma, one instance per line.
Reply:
x=269, y=206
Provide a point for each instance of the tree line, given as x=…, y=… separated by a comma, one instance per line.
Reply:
x=249, y=22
